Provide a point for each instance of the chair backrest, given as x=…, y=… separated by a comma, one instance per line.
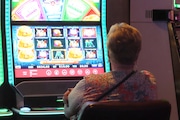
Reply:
x=114, y=110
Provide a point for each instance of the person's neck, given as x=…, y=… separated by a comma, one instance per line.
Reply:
x=120, y=67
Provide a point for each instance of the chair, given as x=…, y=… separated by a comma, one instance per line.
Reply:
x=114, y=110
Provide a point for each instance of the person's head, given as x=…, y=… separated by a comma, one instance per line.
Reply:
x=124, y=44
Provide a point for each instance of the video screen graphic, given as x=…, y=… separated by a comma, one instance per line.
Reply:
x=55, y=10
x=57, y=51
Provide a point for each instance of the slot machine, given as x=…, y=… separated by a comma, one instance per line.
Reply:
x=51, y=45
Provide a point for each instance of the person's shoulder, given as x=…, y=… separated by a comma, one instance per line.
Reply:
x=148, y=75
x=98, y=77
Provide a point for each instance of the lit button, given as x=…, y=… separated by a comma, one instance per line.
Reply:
x=3, y=110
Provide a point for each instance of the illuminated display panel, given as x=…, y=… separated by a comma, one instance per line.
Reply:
x=176, y=3
x=53, y=51
x=45, y=66
x=55, y=10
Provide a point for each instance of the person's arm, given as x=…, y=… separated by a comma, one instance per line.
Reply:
x=65, y=96
x=150, y=86
x=73, y=99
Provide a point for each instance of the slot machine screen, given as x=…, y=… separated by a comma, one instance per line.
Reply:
x=55, y=10
x=55, y=39
x=57, y=51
